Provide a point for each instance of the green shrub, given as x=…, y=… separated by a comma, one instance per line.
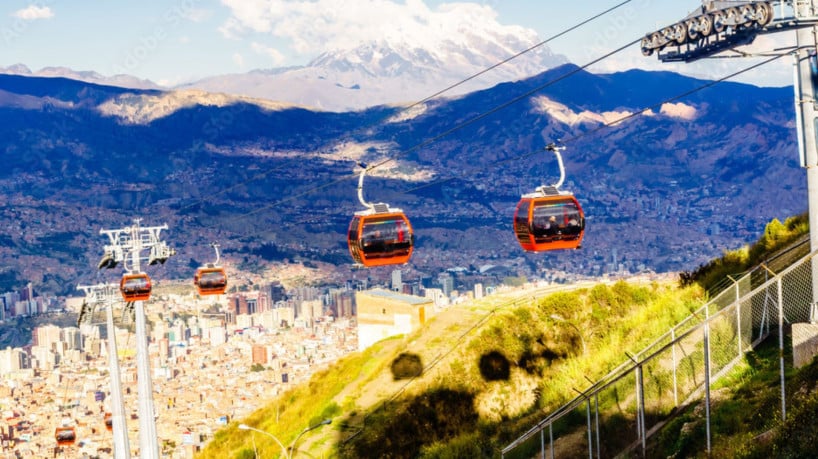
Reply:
x=776, y=236
x=246, y=453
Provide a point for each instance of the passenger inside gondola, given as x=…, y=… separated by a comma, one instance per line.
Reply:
x=213, y=278
x=573, y=227
x=386, y=239
x=544, y=227
x=555, y=222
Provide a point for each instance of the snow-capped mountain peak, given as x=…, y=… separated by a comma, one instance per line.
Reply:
x=390, y=70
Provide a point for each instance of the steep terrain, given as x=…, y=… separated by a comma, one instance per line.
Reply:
x=471, y=379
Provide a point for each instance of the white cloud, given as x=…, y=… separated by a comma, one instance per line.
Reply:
x=565, y=115
x=196, y=14
x=275, y=55
x=238, y=59
x=680, y=110
x=34, y=12
x=314, y=26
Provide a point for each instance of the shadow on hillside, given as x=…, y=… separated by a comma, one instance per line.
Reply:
x=494, y=366
x=406, y=366
x=539, y=357
x=402, y=429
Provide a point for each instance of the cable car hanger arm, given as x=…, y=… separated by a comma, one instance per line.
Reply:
x=361, y=187
x=556, y=149
x=215, y=246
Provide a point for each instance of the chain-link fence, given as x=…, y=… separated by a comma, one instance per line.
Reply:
x=617, y=414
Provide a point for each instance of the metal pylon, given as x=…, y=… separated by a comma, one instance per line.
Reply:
x=106, y=295
x=126, y=246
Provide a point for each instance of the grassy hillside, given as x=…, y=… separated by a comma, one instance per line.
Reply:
x=746, y=414
x=470, y=380
x=777, y=236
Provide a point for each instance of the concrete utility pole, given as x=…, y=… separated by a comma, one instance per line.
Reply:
x=806, y=77
x=723, y=25
x=125, y=246
x=106, y=295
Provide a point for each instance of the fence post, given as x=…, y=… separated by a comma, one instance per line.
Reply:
x=781, y=347
x=551, y=437
x=590, y=439
x=738, y=318
x=673, y=355
x=765, y=316
x=638, y=417
x=707, y=374
x=596, y=403
x=640, y=408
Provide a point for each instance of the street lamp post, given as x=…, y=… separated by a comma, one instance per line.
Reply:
x=322, y=423
x=559, y=318
x=288, y=453
x=246, y=427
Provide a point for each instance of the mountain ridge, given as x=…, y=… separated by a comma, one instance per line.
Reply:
x=665, y=190
x=392, y=72
x=88, y=76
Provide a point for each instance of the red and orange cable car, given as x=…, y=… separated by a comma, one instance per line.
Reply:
x=379, y=235
x=135, y=287
x=211, y=279
x=380, y=238
x=65, y=435
x=548, y=218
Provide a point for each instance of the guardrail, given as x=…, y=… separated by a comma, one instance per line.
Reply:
x=622, y=409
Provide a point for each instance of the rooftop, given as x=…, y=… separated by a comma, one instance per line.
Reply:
x=388, y=294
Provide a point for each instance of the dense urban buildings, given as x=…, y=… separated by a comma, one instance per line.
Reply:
x=255, y=343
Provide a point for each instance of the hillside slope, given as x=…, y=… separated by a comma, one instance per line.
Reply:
x=488, y=370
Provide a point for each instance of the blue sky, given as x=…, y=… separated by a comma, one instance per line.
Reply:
x=175, y=41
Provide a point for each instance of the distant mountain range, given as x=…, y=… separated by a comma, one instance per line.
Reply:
x=664, y=190
x=374, y=73
x=125, y=81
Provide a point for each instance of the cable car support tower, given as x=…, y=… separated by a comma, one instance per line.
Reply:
x=126, y=247
x=720, y=26
x=105, y=295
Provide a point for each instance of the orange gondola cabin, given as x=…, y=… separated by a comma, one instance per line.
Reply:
x=135, y=287
x=549, y=219
x=65, y=435
x=210, y=280
x=380, y=236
